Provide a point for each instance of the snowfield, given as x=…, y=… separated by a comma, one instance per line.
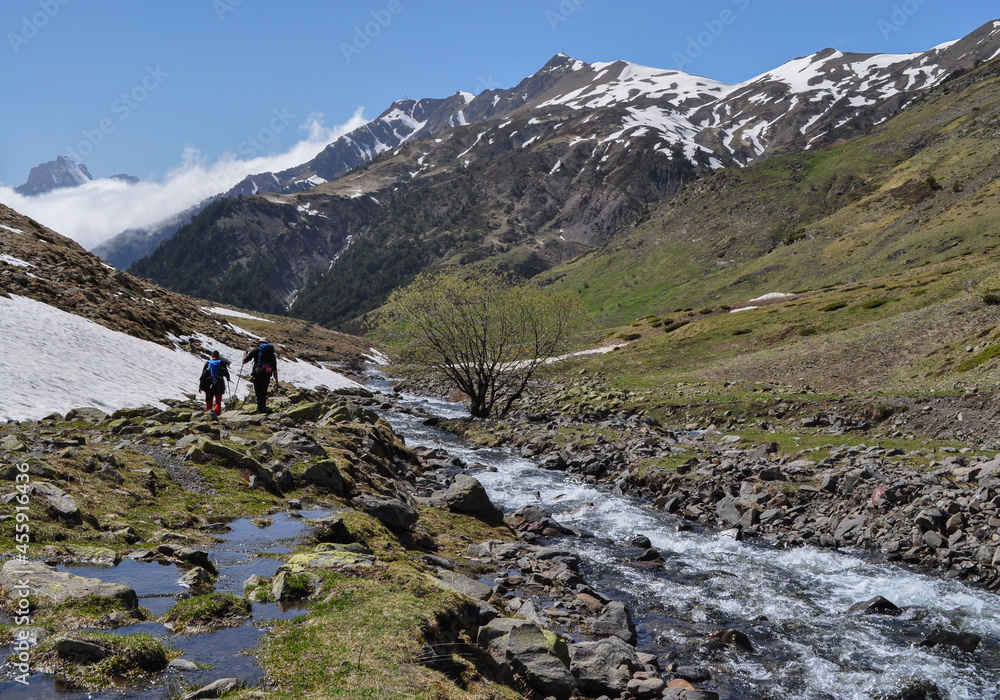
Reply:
x=54, y=361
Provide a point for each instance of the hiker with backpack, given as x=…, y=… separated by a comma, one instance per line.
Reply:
x=213, y=381
x=265, y=365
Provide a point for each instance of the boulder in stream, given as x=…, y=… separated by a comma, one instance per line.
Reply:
x=616, y=620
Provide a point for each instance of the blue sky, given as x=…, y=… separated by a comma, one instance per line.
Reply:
x=153, y=88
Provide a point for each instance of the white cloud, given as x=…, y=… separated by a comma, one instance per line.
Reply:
x=100, y=209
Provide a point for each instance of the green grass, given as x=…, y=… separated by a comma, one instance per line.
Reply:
x=364, y=641
x=209, y=611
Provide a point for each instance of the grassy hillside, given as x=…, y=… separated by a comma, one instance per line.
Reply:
x=887, y=246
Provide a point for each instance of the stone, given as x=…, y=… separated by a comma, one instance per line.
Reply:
x=933, y=540
x=646, y=687
x=964, y=641
x=61, y=504
x=615, y=621
x=849, y=526
x=468, y=497
x=541, y=658
x=529, y=610
x=215, y=689
x=197, y=557
x=325, y=475
x=391, y=512
x=455, y=581
x=284, y=588
x=11, y=444
x=90, y=554
x=332, y=560
x=331, y=528
x=597, y=666
x=305, y=412
x=197, y=578
x=182, y=665
x=875, y=606
x=689, y=694
x=728, y=511
x=79, y=651
x=51, y=586
x=88, y=415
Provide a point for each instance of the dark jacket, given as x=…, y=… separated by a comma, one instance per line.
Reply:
x=265, y=362
x=218, y=385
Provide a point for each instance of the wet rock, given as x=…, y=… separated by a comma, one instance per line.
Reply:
x=875, y=606
x=650, y=555
x=215, y=689
x=597, y=666
x=51, y=586
x=182, y=665
x=391, y=512
x=693, y=674
x=467, y=496
x=965, y=641
x=615, y=621
x=287, y=585
x=640, y=541
x=197, y=578
x=197, y=557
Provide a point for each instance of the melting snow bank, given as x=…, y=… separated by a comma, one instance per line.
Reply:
x=234, y=314
x=54, y=361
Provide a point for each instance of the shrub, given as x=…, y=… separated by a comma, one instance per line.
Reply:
x=991, y=299
x=836, y=306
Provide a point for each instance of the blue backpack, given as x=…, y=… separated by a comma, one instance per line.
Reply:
x=214, y=367
x=263, y=367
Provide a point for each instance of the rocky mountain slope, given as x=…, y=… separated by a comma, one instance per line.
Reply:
x=531, y=176
x=61, y=172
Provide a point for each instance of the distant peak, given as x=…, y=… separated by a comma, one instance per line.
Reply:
x=562, y=61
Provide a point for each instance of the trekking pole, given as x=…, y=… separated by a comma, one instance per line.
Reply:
x=235, y=391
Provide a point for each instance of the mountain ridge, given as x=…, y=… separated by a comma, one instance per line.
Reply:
x=537, y=174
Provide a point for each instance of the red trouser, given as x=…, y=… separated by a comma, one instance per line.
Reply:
x=218, y=403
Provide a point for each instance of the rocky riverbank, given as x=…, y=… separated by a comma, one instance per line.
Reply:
x=902, y=498
x=466, y=605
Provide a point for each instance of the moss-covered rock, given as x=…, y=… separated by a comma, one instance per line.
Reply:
x=207, y=612
x=99, y=660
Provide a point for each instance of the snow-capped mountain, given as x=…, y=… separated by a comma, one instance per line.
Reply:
x=61, y=172
x=806, y=102
x=535, y=174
